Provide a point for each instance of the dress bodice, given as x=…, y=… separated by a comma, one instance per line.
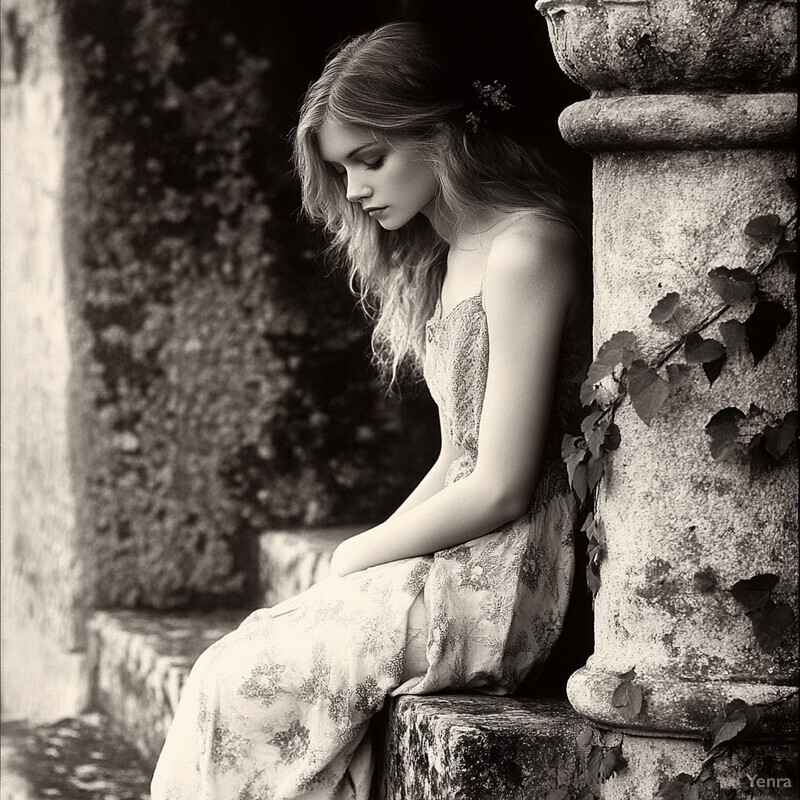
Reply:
x=456, y=367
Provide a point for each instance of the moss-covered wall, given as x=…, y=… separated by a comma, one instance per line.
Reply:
x=222, y=384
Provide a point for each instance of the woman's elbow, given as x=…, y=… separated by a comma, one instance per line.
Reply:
x=507, y=500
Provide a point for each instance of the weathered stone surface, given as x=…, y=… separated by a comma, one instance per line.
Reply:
x=79, y=758
x=140, y=663
x=44, y=584
x=292, y=561
x=663, y=219
x=681, y=122
x=763, y=771
x=463, y=747
x=674, y=45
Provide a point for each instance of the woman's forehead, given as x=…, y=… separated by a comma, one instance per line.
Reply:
x=339, y=141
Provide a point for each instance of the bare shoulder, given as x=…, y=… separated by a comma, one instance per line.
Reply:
x=535, y=254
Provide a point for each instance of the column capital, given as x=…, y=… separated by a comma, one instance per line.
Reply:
x=624, y=46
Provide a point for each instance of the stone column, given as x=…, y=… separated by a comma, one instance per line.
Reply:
x=691, y=122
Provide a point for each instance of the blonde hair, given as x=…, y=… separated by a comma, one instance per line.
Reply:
x=403, y=86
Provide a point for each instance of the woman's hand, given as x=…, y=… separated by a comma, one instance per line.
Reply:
x=343, y=561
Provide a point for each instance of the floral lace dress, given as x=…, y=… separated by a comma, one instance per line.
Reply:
x=280, y=707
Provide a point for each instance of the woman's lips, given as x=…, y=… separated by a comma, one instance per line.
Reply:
x=374, y=212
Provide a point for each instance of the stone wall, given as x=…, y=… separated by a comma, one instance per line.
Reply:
x=42, y=579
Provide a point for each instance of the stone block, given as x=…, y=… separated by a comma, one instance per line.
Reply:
x=292, y=561
x=140, y=663
x=477, y=747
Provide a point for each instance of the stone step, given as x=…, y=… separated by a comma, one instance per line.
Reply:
x=291, y=561
x=80, y=758
x=481, y=747
x=459, y=747
x=141, y=660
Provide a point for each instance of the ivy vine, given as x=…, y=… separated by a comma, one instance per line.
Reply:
x=619, y=371
x=600, y=763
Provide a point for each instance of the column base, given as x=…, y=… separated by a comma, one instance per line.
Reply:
x=683, y=709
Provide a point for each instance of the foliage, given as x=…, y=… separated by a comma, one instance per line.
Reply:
x=771, y=620
x=222, y=386
x=619, y=371
x=628, y=697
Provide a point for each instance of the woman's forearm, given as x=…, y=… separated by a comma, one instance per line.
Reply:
x=457, y=513
x=432, y=483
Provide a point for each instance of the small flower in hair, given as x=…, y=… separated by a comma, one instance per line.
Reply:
x=490, y=95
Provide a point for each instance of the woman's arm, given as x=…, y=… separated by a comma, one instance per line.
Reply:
x=433, y=481
x=531, y=284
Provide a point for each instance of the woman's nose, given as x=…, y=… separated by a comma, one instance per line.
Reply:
x=356, y=190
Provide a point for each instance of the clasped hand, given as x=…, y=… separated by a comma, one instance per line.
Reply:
x=343, y=561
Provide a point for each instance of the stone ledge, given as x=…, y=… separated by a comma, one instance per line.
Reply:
x=480, y=747
x=140, y=662
x=294, y=560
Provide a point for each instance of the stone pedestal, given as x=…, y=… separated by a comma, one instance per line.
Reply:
x=691, y=124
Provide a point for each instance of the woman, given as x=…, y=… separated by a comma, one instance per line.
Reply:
x=466, y=257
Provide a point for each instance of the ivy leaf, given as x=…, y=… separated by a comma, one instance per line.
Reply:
x=580, y=483
x=594, y=550
x=664, y=309
x=593, y=578
x=619, y=349
x=760, y=460
x=613, y=438
x=753, y=593
x=561, y=793
x=713, y=368
x=627, y=698
x=589, y=526
x=728, y=725
x=593, y=762
x=765, y=227
x=587, y=794
x=572, y=453
x=594, y=553
x=734, y=334
x=778, y=439
x=648, y=390
x=594, y=471
x=677, y=374
x=733, y=285
x=681, y=787
x=585, y=737
x=699, y=350
x=612, y=762
x=737, y=718
x=723, y=428
x=762, y=326
x=771, y=623
x=705, y=581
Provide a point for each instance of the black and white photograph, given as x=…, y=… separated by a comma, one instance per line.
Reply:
x=399, y=400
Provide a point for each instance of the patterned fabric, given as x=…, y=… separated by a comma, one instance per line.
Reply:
x=280, y=707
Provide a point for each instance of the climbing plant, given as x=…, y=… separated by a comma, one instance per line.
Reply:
x=620, y=372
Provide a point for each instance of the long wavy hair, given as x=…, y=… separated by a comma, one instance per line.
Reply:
x=404, y=86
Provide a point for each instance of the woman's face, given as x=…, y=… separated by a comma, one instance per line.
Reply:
x=391, y=182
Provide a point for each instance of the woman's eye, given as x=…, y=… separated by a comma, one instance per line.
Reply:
x=375, y=164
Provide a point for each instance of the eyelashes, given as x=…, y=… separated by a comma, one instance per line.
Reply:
x=370, y=165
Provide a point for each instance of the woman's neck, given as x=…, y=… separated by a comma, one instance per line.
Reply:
x=454, y=231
